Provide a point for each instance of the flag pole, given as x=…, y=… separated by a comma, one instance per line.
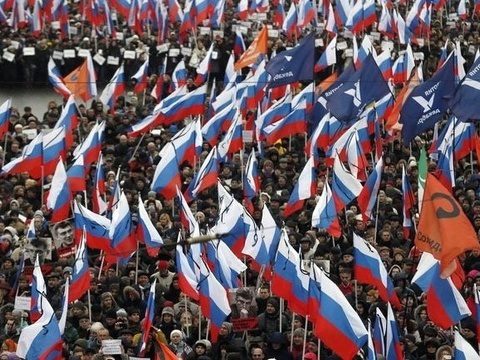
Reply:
x=282, y=305
x=5, y=148
x=376, y=221
x=136, y=262
x=199, y=323
x=89, y=306
x=43, y=183
x=291, y=332
x=186, y=308
x=102, y=255
x=305, y=337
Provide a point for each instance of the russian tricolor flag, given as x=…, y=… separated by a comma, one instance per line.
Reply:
x=345, y=186
x=393, y=348
x=233, y=139
x=463, y=349
x=141, y=77
x=99, y=205
x=68, y=120
x=293, y=123
x=231, y=222
x=81, y=273
x=445, y=304
x=56, y=80
x=263, y=245
x=30, y=161
x=96, y=227
x=369, y=269
x=305, y=188
x=192, y=103
x=251, y=180
x=289, y=25
x=53, y=149
x=206, y=177
x=114, y=89
x=147, y=232
x=5, y=111
x=344, y=332
x=218, y=123
x=368, y=196
x=123, y=241
x=226, y=266
x=328, y=57
x=42, y=339
x=187, y=143
x=324, y=215
x=149, y=316
x=38, y=289
x=213, y=299
x=155, y=118
x=167, y=177
x=204, y=67
x=279, y=109
x=187, y=279
x=76, y=176
x=59, y=197
x=91, y=146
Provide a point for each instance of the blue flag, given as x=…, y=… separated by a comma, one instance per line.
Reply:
x=465, y=104
x=293, y=65
x=360, y=89
x=428, y=102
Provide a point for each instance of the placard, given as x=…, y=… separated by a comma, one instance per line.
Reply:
x=29, y=51
x=204, y=30
x=318, y=42
x=186, y=51
x=112, y=347
x=119, y=36
x=113, y=60
x=173, y=52
x=15, y=44
x=348, y=52
x=22, y=303
x=57, y=55
x=273, y=33
x=99, y=59
x=342, y=45
x=129, y=54
x=247, y=136
x=387, y=45
x=29, y=133
x=7, y=55
x=72, y=30
x=162, y=48
x=69, y=54
x=375, y=35
x=262, y=16
x=418, y=55
x=243, y=29
x=55, y=25
x=347, y=34
x=216, y=33
x=453, y=16
x=244, y=324
x=83, y=53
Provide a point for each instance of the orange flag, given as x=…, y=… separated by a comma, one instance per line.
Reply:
x=394, y=115
x=165, y=353
x=444, y=230
x=257, y=47
x=325, y=84
x=78, y=82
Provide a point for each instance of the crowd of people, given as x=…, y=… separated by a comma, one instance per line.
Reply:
x=261, y=325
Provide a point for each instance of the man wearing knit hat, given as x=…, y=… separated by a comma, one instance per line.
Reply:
x=164, y=276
